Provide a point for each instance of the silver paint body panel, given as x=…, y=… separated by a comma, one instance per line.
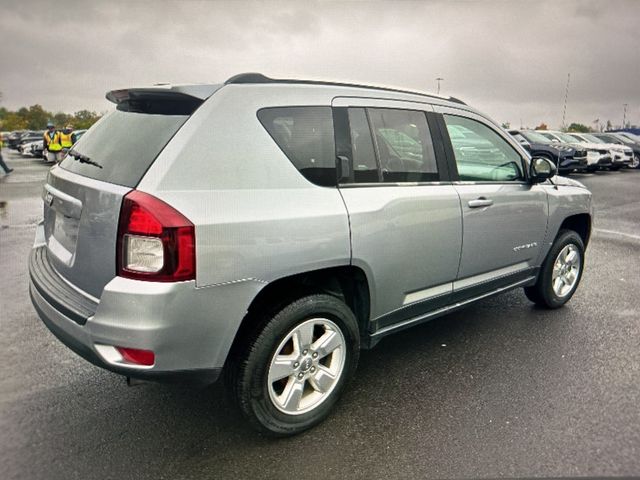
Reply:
x=258, y=220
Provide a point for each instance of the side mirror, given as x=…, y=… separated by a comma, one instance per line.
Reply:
x=542, y=169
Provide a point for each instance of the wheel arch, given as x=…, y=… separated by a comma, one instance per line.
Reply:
x=579, y=223
x=347, y=283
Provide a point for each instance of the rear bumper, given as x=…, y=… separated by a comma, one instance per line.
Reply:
x=189, y=329
x=79, y=340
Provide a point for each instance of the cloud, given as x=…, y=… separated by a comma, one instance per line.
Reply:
x=509, y=59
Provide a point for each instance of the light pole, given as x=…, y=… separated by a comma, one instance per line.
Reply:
x=624, y=114
x=566, y=96
x=439, y=79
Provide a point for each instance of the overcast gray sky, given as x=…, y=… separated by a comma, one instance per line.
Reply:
x=509, y=59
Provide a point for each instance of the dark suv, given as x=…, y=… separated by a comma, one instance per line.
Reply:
x=567, y=157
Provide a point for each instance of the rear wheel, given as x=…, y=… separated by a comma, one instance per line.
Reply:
x=290, y=374
x=560, y=273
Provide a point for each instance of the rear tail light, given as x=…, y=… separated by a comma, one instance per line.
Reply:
x=136, y=356
x=155, y=241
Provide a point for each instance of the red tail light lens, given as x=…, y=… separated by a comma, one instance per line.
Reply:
x=136, y=356
x=155, y=241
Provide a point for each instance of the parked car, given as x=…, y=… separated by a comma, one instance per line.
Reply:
x=621, y=156
x=567, y=158
x=13, y=139
x=37, y=149
x=28, y=138
x=625, y=140
x=26, y=149
x=598, y=157
x=271, y=229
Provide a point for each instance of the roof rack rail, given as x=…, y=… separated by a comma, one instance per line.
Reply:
x=253, y=77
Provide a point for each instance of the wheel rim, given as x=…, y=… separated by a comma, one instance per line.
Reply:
x=306, y=366
x=566, y=270
x=635, y=161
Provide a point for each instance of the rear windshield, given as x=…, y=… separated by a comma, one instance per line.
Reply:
x=122, y=146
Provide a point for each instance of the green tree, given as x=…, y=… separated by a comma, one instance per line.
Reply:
x=61, y=119
x=579, y=128
x=542, y=126
x=84, y=119
x=12, y=121
x=36, y=117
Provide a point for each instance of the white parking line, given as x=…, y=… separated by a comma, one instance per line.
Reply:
x=621, y=234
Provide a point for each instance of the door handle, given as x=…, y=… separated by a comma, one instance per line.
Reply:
x=480, y=202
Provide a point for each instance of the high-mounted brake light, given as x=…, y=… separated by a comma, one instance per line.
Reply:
x=155, y=241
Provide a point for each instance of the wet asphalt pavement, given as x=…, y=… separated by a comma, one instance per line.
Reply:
x=499, y=389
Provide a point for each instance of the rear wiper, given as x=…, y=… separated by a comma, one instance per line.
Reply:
x=83, y=158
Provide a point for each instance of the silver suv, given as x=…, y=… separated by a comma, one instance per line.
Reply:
x=270, y=229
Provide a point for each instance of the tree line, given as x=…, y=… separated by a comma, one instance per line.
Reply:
x=36, y=118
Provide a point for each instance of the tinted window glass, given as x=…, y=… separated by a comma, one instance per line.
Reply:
x=121, y=146
x=365, y=168
x=481, y=154
x=404, y=145
x=305, y=135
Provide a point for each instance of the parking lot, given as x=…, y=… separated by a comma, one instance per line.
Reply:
x=498, y=389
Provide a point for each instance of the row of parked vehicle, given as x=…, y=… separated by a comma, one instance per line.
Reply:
x=570, y=152
x=30, y=143
x=582, y=151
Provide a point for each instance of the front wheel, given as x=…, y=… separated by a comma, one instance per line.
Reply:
x=560, y=273
x=288, y=377
x=635, y=161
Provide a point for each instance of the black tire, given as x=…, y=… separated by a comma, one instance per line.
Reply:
x=636, y=160
x=542, y=293
x=247, y=373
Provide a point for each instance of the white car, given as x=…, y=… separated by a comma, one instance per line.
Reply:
x=614, y=137
x=620, y=155
x=26, y=150
x=598, y=157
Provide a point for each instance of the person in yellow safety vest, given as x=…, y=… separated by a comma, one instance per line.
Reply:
x=52, y=143
x=67, y=137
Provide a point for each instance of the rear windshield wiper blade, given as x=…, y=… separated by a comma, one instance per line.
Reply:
x=83, y=158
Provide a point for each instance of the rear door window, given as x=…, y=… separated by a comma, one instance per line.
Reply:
x=121, y=147
x=403, y=142
x=305, y=135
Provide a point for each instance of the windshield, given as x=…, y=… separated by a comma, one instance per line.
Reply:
x=634, y=138
x=550, y=136
x=609, y=138
x=575, y=138
x=122, y=146
x=565, y=138
x=535, y=137
x=593, y=139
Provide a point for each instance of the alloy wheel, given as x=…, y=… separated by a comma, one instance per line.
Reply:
x=306, y=366
x=566, y=270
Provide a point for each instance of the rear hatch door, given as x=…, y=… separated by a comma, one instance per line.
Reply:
x=83, y=194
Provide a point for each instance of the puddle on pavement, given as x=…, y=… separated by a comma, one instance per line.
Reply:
x=20, y=212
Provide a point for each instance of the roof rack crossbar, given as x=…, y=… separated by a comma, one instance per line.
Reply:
x=252, y=77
